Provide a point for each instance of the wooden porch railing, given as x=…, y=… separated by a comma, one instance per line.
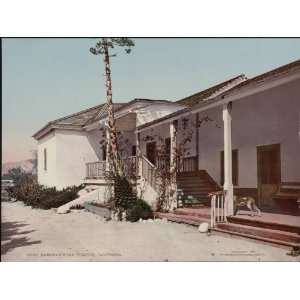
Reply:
x=188, y=164
x=218, y=208
x=149, y=172
x=95, y=169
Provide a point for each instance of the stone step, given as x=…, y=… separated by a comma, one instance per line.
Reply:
x=269, y=236
x=187, y=216
x=196, y=180
x=264, y=224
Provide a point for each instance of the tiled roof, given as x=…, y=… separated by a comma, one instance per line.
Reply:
x=210, y=92
x=210, y=95
x=79, y=118
x=271, y=74
x=190, y=101
x=73, y=121
x=103, y=112
x=86, y=117
x=118, y=106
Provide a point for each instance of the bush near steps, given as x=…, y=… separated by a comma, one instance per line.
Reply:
x=35, y=195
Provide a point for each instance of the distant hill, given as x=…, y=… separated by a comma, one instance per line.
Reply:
x=26, y=165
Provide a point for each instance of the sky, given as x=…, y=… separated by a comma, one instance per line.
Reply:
x=47, y=78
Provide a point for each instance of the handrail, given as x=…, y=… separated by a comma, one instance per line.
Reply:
x=148, y=161
x=149, y=172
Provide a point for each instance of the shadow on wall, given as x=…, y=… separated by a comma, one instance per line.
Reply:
x=10, y=232
x=96, y=140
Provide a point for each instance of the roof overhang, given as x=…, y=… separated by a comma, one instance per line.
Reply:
x=126, y=112
x=250, y=88
x=50, y=127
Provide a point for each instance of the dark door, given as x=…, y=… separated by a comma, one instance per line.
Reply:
x=268, y=173
x=104, y=152
x=151, y=152
x=168, y=151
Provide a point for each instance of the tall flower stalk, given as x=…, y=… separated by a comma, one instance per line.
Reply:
x=103, y=47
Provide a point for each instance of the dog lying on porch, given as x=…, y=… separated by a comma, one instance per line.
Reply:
x=249, y=202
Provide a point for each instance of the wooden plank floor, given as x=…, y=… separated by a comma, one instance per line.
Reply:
x=246, y=215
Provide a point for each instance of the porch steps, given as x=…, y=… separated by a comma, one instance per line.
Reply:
x=254, y=222
x=196, y=183
x=279, y=237
x=279, y=234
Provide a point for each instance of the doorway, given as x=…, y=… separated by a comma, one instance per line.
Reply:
x=268, y=173
x=151, y=152
x=168, y=151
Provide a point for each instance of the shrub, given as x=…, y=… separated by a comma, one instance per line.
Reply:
x=139, y=210
x=26, y=189
x=15, y=174
x=50, y=198
x=31, y=193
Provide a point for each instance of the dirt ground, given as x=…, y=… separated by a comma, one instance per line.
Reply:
x=43, y=235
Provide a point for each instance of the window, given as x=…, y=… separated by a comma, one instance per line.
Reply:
x=168, y=146
x=45, y=159
x=151, y=152
x=133, y=150
x=234, y=167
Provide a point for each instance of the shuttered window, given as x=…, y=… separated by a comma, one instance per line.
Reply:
x=235, y=167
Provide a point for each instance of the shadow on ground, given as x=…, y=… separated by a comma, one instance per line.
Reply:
x=10, y=236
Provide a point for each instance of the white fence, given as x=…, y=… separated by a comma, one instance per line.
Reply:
x=218, y=208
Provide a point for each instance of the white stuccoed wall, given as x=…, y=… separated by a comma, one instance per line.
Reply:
x=189, y=131
x=155, y=111
x=47, y=178
x=95, y=137
x=67, y=153
x=266, y=118
x=74, y=150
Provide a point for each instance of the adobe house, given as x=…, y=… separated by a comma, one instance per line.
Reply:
x=241, y=138
x=72, y=150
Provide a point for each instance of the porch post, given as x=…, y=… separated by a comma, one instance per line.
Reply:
x=107, y=165
x=138, y=155
x=173, y=164
x=228, y=186
x=197, y=140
